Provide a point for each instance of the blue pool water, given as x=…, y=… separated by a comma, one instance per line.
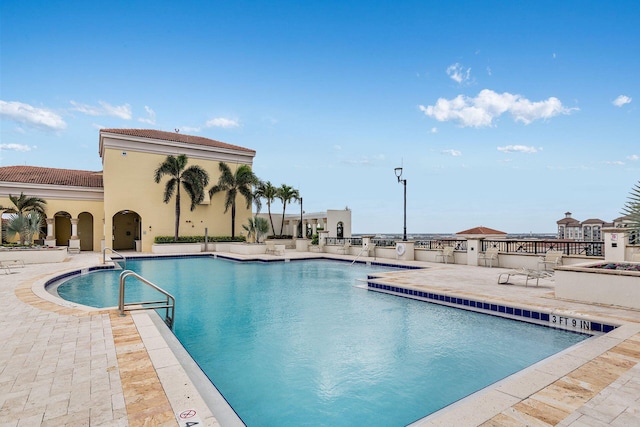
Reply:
x=298, y=344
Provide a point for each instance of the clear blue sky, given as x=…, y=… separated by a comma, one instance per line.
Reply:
x=503, y=114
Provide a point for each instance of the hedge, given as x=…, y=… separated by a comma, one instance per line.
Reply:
x=198, y=239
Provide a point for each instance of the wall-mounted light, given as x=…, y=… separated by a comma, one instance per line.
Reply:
x=149, y=228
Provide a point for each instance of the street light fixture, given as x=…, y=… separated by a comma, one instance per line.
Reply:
x=398, y=172
x=301, y=228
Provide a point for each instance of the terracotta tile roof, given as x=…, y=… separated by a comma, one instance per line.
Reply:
x=175, y=137
x=593, y=221
x=481, y=230
x=39, y=175
x=571, y=221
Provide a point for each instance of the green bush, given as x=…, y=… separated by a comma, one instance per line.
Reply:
x=315, y=239
x=198, y=239
x=283, y=237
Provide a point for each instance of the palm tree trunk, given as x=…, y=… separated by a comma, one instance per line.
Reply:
x=233, y=219
x=284, y=207
x=175, y=236
x=273, y=229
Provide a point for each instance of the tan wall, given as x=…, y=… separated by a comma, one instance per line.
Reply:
x=74, y=208
x=129, y=185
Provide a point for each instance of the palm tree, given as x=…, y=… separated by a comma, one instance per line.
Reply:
x=632, y=209
x=193, y=179
x=267, y=191
x=23, y=204
x=240, y=182
x=24, y=224
x=256, y=228
x=261, y=227
x=286, y=194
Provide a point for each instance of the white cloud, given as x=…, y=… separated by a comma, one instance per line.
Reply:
x=621, y=100
x=633, y=157
x=517, y=149
x=434, y=130
x=454, y=153
x=489, y=105
x=31, y=116
x=614, y=163
x=190, y=129
x=457, y=73
x=337, y=147
x=221, y=122
x=151, y=119
x=105, y=109
x=15, y=147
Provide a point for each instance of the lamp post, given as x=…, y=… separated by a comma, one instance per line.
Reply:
x=301, y=229
x=398, y=172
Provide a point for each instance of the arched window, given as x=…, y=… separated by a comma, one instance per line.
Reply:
x=340, y=230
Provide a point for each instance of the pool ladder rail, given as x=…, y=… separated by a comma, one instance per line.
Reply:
x=169, y=303
x=115, y=260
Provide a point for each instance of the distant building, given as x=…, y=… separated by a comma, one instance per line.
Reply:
x=336, y=222
x=482, y=232
x=588, y=230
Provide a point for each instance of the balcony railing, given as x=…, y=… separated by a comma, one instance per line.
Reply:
x=515, y=246
x=538, y=247
x=458, y=245
x=353, y=241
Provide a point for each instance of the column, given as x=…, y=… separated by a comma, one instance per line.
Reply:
x=294, y=224
x=50, y=222
x=50, y=240
x=74, y=240
x=314, y=226
x=74, y=229
x=615, y=244
x=473, y=247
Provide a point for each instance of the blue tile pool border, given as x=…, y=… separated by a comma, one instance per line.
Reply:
x=502, y=310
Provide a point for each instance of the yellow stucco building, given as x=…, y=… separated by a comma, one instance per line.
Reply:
x=121, y=207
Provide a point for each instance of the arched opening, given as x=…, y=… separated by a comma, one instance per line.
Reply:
x=340, y=230
x=85, y=231
x=126, y=230
x=62, y=227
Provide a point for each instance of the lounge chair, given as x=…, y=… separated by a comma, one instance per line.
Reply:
x=344, y=250
x=552, y=258
x=446, y=253
x=271, y=248
x=11, y=263
x=528, y=273
x=489, y=255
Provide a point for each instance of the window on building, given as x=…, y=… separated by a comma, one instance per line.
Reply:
x=340, y=230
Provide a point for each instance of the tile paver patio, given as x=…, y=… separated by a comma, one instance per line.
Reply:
x=60, y=365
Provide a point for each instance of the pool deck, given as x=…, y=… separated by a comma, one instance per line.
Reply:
x=64, y=365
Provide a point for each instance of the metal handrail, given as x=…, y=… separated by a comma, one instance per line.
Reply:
x=104, y=251
x=169, y=304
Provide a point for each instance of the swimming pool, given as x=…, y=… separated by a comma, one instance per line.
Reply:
x=298, y=344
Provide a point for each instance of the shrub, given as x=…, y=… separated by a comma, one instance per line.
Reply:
x=283, y=237
x=197, y=239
